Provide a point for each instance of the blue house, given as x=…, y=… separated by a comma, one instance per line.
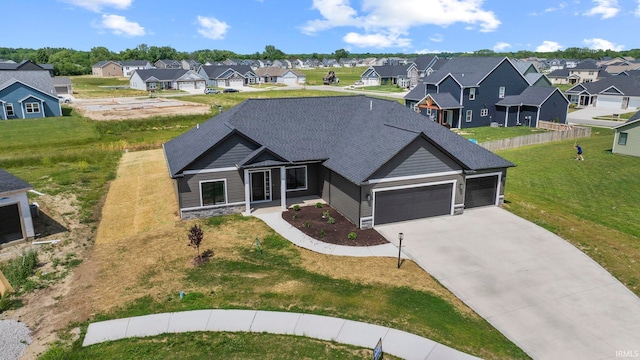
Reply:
x=27, y=95
x=477, y=91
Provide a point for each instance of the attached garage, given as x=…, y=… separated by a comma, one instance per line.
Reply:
x=417, y=202
x=481, y=191
x=10, y=224
x=609, y=101
x=186, y=85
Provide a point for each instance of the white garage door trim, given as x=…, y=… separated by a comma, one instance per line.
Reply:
x=498, y=187
x=402, y=187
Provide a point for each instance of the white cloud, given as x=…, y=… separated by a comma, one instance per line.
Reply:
x=605, y=9
x=212, y=28
x=548, y=46
x=637, y=12
x=437, y=38
x=98, y=5
x=560, y=6
x=501, y=46
x=119, y=25
x=602, y=44
x=393, y=19
x=376, y=40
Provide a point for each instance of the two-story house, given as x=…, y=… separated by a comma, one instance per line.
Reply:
x=129, y=66
x=405, y=76
x=107, y=68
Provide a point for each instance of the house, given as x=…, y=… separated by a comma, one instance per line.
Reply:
x=619, y=65
x=424, y=64
x=190, y=65
x=26, y=65
x=627, y=137
x=107, y=68
x=531, y=73
x=614, y=92
x=476, y=91
x=15, y=214
x=164, y=79
x=168, y=64
x=405, y=76
x=28, y=94
x=231, y=76
x=129, y=66
x=265, y=75
x=62, y=85
x=375, y=161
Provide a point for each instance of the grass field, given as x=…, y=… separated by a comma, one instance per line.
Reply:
x=487, y=133
x=347, y=75
x=87, y=86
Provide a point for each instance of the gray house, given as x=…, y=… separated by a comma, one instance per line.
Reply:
x=228, y=76
x=15, y=214
x=163, y=79
x=627, y=138
x=27, y=95
x=373, y=160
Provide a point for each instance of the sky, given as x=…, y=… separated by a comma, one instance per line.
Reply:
x=323, y=26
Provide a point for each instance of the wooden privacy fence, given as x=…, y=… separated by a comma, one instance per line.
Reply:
x=569, y=132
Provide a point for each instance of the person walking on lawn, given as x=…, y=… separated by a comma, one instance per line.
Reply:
x=579, y=154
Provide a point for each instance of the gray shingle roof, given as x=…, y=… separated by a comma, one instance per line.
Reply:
x=386, y=71
x=135, y=63
x=628, y=85
x=632, y=120
x=533, y=95
x=356, y=135
x=466, y=70
x=161, y=74
x=10, y=182
x=61, y=80
x=417, y=93
x=559, y=73
x=214, y=71
x=445, y=101
x=38, y=79
x=423, y=61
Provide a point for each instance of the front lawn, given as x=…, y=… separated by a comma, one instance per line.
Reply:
x=347, y=75
x=488, y=133
x=382, y=88
x=87, y=86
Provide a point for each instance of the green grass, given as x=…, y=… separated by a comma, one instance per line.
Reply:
x=347, y=75
x=590, y=203
x=487, y=133
x=564, y=87
x=382, y=88
x=20, y=270
x=229, y=100
x=619, y=116
x=87, y=86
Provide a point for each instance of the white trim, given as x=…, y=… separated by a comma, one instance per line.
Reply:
x=468, y=116
x=306, y=178
x=502, y=91
x=264, y=185
x=391, y=188
x=412, y=177
x=226, y=198
x=211, y=206
x=247, y=192
x=472, y=94
x=208, y=171
x=283, y=184
x=498, y=186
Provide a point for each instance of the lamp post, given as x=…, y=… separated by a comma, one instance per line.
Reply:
x=400, y=237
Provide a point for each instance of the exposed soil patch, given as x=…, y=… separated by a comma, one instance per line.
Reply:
x=136, y=108
x=315, y=222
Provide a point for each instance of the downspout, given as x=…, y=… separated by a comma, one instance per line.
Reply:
x=518, y=115
x=506, y=116
x=247, y=192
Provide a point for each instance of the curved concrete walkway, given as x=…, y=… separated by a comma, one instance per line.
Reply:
x=394, y=342
x=297, y=237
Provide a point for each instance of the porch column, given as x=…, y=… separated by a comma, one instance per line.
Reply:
x=518, y=116
x=283, y=188
x=247, y=192
x=506, y=117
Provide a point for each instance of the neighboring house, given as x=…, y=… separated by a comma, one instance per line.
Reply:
x=168, y=64
x=627, y=137
x=62, y=85
x=424, y=64
x=615, y=92
x=15, y=214
x=531, y=73
x=129, y=66
x=372, y=160
x=405, y=76
x=164, y=79
x=26, y=65
x=107, y=68
x=280, y=76
x=228, y=76
x=190, y=65
x=27, y=95
x=476, y=91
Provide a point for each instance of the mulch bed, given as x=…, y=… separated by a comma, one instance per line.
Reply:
x=336, y=233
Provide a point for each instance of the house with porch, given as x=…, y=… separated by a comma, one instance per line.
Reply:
x=477, y=91
x=166, y=79
x=168, y=64
x=228, y=76
x=615, y=92
x=375, y=161
x=404, y=76
x=27, y=95
x=276, y=75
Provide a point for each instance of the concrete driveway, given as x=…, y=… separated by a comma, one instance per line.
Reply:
x=541, y=292
x=585, y=116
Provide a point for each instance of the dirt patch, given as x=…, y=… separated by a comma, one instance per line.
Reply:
x=136, y=108
x=328, y=225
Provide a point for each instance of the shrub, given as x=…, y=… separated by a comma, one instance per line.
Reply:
x=296, y=207
x=18, y=270
x=322, y=233
x=352, y=236
x=295, y=216
x=306, y=224
x=325, y=214
x=319, y=205
x=331, y=220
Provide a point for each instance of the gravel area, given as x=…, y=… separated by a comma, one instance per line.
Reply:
x=14, y=339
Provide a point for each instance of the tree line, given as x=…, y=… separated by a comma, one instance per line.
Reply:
x=68, y=62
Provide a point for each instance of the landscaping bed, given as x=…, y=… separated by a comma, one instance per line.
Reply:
x=315, y=222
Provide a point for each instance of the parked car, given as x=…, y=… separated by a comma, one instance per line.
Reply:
x=228, y=90
x=63, y=99
x=359, y=82
x=211, y=91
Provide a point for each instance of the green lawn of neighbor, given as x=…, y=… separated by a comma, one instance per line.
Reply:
x=487, y=133
x=347, y=75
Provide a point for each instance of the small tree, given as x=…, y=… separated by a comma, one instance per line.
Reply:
x=195, y=238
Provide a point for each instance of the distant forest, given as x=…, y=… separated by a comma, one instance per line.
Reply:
x=74, y=62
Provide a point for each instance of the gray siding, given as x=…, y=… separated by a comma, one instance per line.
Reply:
x=420, y=157
x=342, y=195
x=555, y=108
x=189, y=187
x=226, y=154
x=633, y=141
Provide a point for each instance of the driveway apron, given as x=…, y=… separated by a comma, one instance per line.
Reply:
x=541, y=292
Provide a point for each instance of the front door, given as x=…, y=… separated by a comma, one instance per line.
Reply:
x=260, y=186
x=448, y=117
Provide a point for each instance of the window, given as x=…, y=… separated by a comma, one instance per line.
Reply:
x=472, y=94
x=590, y=72
x=32, y=108
x=501, y=92
x=484, y=112
x=622, y=139
x=213, y=192
x=9, y=108
x=297, y=178
x=469, y=116
x=429, y=111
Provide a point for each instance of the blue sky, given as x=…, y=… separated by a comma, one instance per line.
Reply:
x=323, y=26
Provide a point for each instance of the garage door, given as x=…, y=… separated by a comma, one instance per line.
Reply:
x=480, y=191
x=10, y=224
x=186, y=86
x=614, y=102
x=290, y=80
x=63, y=89
x=413, y=203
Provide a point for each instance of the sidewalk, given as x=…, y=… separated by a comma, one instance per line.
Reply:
x=395, y=342
x=297, y=237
